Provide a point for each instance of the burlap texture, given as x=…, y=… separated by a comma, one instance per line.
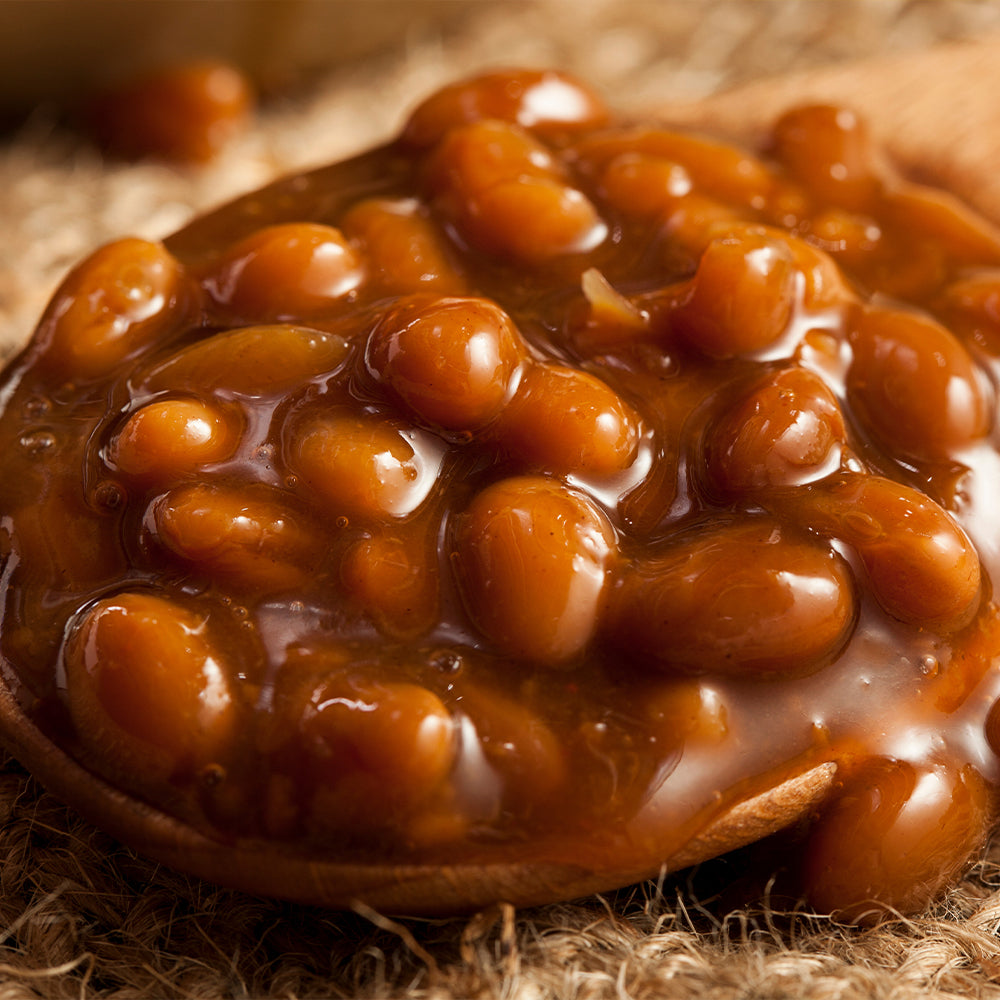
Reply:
x=82, y=917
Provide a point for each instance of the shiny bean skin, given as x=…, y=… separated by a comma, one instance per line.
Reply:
x=541, y=100
x=532, y=557
x=249, y=538
x=922, y=568
x=505, y=195
x=365, y=467
x=405, y=251
x=125, y=296
x=450, y=361
x=741, y=297
x=399, y=737
x=292, y=272
x=148, y=689
x=788, y=430
x=746, y=598
x=172, y=438
x=915, y=385
x=565, y=420
x=893, y=837
x=252, y=361
x=828, y=150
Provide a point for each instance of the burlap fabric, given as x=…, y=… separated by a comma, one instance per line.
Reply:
x=82, y=917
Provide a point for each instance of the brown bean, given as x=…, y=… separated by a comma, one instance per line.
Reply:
x=531, y=557
x=251, y=537
x=252, y=361
x=171, y=439
x=749, y=598
x=922, y=568
x=564, y=420
x=827, y=149
x=290, y=272
x=644, y=186
x=893, y=837
x=147, y=688
x=123, y=297
x=364, y=466
x=742, y=296
x=507, y=198
x=788, y=430
x=405, y=251
x=542, y=100
x=914, y=385
x=450, y=361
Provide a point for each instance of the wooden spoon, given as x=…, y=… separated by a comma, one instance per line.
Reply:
x=936, y=112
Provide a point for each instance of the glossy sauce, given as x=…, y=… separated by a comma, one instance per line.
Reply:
x=534, y=487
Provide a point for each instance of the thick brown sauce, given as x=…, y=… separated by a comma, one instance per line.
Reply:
x=243, y=628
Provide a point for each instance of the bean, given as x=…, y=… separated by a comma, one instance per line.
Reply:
x=250, y=537
x=788, y=430
x=546, y=101
x=564, y=420
x=742, y=296
x=748, y=598
x=252, y=361
x=371, y=751
x=644, y=186
x=125, y=296
x=921, y=566
x=971, y=307
x=893, y=837
x=171, y=439
x=405, y=251
x=186, y=113
x=291, y=272
x=394, y=580
x=147, y=688
x=721, y=171
x=507, y=198
x=914, y=385
x=364, y=466
x=450, y=361
x=531, y=557
x=828, y=150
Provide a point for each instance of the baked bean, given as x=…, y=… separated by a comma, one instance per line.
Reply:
x=505, y=195
x=692, y=221
x=565, y=420
x=250, y=537
x=125, y=296
x=893, y=837
x=748, y=598
x=742, y=296
x=398, y=737
x=683, y=711
x=186, y=113
x=148, y=689
x=971, y=307
x=405, y=251
x=531, y=558
x=170, y=439
x=788, y=430
x=644, y=186
x=722, y=171
x=450, y=361
x=921, y=566
x=394, y=580
x=828, y=150
x=252, y=361
x=518, y=744
x=292, y=272
x=364, y=466
x=542, y=100
x=944, y=222
x=914, y=385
